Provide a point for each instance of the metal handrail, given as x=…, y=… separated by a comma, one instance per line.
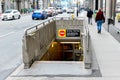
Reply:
x=36, y=26
x=47, y=21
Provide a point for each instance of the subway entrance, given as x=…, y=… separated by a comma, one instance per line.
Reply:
x=65, y=40
x=64, y=51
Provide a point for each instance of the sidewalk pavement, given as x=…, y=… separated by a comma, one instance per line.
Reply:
x=107, y=52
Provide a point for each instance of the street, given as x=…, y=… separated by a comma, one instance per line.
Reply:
x=11, y=33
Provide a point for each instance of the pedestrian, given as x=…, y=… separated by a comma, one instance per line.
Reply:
x=100, y=19
x=89, y=15
x=77, y=12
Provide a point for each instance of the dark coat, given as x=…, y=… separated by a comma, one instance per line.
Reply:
x=99, y=16
x=90, y=13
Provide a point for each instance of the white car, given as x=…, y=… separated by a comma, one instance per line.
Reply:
x=52, y=9
x=118, y=9
x=10, y=14
x=70, y=10
x=59, y=10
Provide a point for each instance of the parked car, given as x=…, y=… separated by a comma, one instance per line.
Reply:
x=59, y=10
x=118, y=9
x=52, y=9
x=64, y=9
x=49, y=12
x=70, y=10
x=39, y=14
x=11, y=14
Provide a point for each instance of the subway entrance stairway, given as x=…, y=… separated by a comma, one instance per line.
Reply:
x=98, y=61
x=63, y=52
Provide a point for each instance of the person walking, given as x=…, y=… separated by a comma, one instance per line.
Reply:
x=77, y=12
x=100, y=19
x=89, y=15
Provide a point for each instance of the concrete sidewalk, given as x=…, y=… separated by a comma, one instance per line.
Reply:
x=107, y=52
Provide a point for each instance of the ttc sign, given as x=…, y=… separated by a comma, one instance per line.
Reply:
x=62, y=33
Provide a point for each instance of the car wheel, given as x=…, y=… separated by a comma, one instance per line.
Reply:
x=32, y=18
x=2, y=19
x=19, y=17
x=13, y=18
x=51, y=15
x=43, y=18
x=46, y=17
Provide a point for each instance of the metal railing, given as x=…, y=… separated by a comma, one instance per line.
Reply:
x=44, y=23
x=34, y=28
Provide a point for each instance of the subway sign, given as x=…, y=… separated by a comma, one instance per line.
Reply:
x=69, y=33
x=72, y=33
x=62, y=33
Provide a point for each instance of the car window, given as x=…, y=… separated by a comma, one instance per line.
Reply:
x=8, y=11
x=15, y=11
x=37, y=11
x=44, y=11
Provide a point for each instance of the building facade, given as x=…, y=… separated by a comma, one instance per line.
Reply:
x=26, y=4
x=23, y=4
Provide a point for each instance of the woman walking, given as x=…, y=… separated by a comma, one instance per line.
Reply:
x=100, y=19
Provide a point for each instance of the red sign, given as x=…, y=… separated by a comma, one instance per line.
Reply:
x=62, y=33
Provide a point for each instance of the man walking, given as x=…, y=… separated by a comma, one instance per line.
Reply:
x=100, y=19
x=89, y=15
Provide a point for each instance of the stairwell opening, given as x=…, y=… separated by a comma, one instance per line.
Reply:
x=64, y=51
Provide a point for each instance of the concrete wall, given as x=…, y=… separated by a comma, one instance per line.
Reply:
x=68, y=24
x=36, y=43
x=87, y=49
